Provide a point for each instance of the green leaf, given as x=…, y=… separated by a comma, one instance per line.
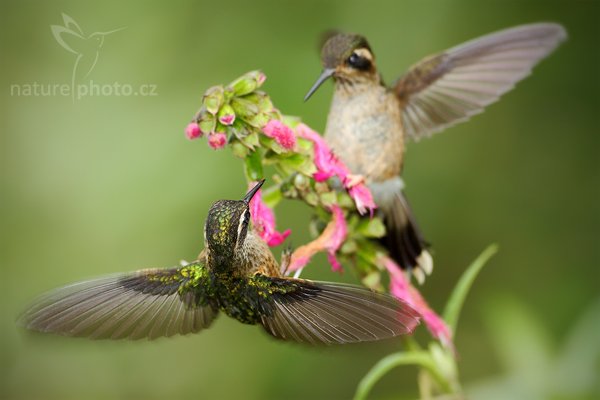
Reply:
x=239, y=150
x=459, y=294
x=372, y=280
x=253, y=164
x=371, y=227
x=420, y=358
x=251, y=140
x=328, y=199
x=298, y=163
x=272, y=196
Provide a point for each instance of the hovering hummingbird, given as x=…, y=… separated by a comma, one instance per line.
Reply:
x=85, y=47
x=236, y=274
x=369, y=122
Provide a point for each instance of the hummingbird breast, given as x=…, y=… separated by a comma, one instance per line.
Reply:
x=364, y=129
x=254, y=256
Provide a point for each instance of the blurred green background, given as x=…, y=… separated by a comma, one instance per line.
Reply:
x=109, y=183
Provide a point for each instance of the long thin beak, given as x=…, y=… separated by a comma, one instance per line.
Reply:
x=326, y=74
x=252, y=192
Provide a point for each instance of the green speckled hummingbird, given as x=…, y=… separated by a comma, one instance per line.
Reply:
x=236, y=274
x=369, y=122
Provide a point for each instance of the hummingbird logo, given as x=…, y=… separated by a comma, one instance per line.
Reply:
x=86, y=48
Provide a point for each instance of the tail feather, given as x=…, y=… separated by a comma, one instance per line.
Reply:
x=403, y=239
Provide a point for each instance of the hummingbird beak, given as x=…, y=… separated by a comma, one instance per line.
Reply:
x=326, y=74
x=252, y=192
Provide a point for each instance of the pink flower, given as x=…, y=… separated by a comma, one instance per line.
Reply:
x=263, y=219
x=340, y=231
x=362, y=198
x=328, y=165
x=192, y=131
x=324, y=159
x=227, y=119
x=217, y=140
x=330, y=241
x=281, y=133
x=401, y=288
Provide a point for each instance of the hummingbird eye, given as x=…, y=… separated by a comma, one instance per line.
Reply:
x=358, y=62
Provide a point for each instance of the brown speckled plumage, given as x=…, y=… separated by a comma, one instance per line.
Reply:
x=369, y=123
x=236, y=274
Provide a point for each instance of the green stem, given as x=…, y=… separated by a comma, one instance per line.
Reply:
x=459, y=294
x=420, y=358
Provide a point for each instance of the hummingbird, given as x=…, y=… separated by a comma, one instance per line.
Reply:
x=235, y=274
x=369, y=122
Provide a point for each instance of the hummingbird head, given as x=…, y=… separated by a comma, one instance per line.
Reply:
x=348, y=59
x=227, y=225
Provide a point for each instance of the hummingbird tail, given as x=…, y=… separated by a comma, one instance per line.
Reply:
x=403, y=240
x=334, y=313
x=143, y=304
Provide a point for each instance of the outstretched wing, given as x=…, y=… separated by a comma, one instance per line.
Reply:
x=144, y=304
x=448, y=88
x=331, y=313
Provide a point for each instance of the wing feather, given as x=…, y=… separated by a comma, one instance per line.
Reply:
x=142, y=304
x=450, y=87
x=333, y=313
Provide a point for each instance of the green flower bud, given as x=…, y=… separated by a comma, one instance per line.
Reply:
x=262, y=100
x=213, y=99
x=244, y=108
x=207, y=122
x=247, y=83
x=226, y=115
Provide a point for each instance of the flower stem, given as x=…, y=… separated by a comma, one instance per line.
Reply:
x=386, y=364
x=459, y=294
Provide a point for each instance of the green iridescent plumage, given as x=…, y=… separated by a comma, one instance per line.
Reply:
x=236, y=274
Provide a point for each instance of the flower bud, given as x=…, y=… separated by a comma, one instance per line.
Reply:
x=217, y=140
x=262, y=100
x=213, y=99
x=192, y=131
x=244, y=108
x=247, y=83
x=207, y=122
x=226, y=115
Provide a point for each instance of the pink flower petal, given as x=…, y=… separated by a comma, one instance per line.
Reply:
x=362, y=198
x=335, y=264
x=263, y=219
x=227, y=119
x=330, y=241
x=281, y=133
x=217, y=140
x=192, y=131
x=340, y=229
x=401, y=288
x=328, y=165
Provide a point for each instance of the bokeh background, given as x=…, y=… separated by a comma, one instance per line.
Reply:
x=109, y=183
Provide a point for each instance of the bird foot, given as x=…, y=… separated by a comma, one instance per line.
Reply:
x=353, y=180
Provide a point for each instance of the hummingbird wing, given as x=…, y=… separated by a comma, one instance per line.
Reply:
x=330, y=313
x=449, y=87
x=143, y=304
